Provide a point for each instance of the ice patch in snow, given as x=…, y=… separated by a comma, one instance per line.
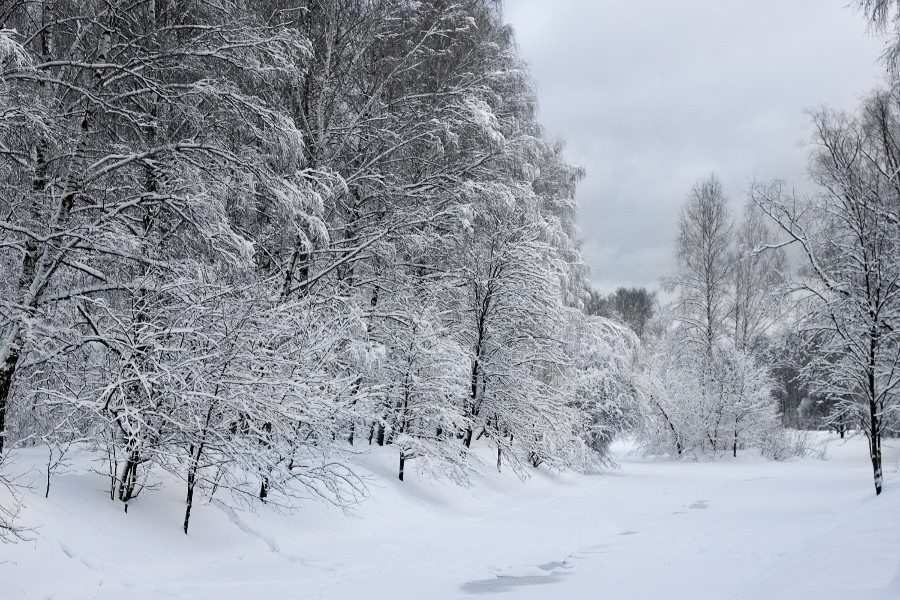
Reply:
x=506, y=583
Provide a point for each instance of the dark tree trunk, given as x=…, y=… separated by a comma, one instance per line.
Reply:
x=402, y=464
x=678, y=447
x=7, y=370
x=193, y=469
x=874, y=417
x=191, y=481
x=875, y=448
x=472, y=409
x=128, y=481
x=467, y=439
x=49, y=471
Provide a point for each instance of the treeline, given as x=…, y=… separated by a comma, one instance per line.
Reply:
x=240, y=239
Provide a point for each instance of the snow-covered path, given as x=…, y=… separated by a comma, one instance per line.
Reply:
x=748, y=529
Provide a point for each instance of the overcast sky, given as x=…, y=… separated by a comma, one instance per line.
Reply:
x=653, y=95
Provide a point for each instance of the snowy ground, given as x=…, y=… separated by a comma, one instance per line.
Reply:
x=749, y=529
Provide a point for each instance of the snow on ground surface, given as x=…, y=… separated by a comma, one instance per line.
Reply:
x=746, y=528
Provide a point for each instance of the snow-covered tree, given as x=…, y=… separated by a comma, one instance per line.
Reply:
x=126, y=162
x=695, y=404
x=850, y=287
x=758, y=273
x=604, y=379
x=707, y=388
x=511, y=323
x=704, y=267
x=237, y=236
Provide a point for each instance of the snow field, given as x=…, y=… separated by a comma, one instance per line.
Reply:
x=746, y=528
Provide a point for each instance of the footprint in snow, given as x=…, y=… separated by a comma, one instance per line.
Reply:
x=598, y=549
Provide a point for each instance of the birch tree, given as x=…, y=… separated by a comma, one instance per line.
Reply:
x=704, y=269
x=759, y=271
x=884, y=16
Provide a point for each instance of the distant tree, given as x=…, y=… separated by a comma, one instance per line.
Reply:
x=634, y=306
x=603, y=379
x=596, y=305
x=704, y=266
x=758, y=273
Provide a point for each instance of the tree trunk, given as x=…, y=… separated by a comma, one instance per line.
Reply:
x=402, y=464
x=128, y=480
x=678, y=446
x=7, y=370
x=874, y=416
x=49, y=472
x=192, y=471
x=467, y=440
x=875, y=447
x=191, y=481
x=472, y=409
